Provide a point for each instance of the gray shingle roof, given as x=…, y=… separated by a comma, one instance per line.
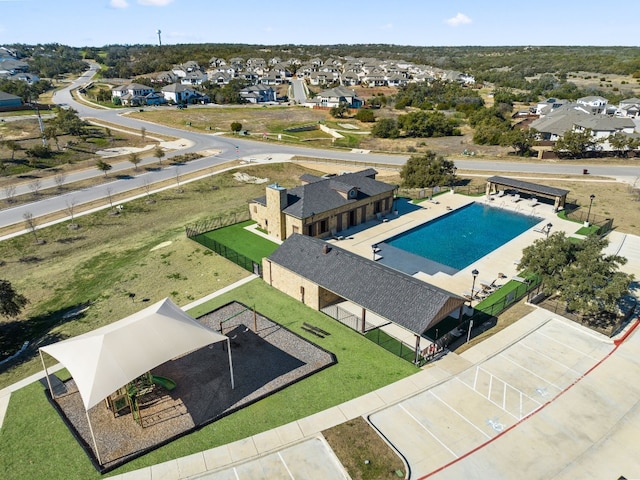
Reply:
x=324, y=194
x=528, y=186
x=400, y=298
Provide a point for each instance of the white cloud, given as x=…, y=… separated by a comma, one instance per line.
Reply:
x=155, y=3
x=459, y=19
x=118, y=3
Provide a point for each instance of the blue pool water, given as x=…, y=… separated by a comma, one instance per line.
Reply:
x=461, y=237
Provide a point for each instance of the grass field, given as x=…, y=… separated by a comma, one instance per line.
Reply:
x=112, y=256
x=33, y=434
x=242, y=241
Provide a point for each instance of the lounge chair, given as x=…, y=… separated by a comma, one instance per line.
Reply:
x=501, y=193
x=335, y=235
x=381, y=218
x=515, y=198
x=533, y=202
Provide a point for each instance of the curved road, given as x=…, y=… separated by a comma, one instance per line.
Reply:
x=230, y=149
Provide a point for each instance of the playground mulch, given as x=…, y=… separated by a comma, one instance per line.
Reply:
x=266, y=357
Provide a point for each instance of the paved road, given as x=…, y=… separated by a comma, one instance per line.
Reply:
x=232, y=148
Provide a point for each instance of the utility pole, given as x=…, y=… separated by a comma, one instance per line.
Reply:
x=159, y=32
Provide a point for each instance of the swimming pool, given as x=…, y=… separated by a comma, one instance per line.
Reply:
x=455, y=240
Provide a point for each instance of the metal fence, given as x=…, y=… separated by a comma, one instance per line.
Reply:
x=347, y=318
x=579, y=215
x=605, y=324
x=228, y=253
x=210, y=224
x=197, y=232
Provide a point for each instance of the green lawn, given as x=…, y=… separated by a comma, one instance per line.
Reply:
x=246, y=243
x=33, y=434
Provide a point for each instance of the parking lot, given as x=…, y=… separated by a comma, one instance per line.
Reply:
x=492, y=419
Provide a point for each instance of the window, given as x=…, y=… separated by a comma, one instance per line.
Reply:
x=323, y=226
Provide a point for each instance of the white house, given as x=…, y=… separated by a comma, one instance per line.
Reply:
x=178, y=93
x=593, y=103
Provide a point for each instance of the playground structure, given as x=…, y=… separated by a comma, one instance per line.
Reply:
x=128, y=398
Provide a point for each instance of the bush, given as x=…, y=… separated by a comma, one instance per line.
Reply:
x=365, y=115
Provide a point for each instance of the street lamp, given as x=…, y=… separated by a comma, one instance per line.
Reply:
x=591, y=197
x=475, y=273
x=549, y=225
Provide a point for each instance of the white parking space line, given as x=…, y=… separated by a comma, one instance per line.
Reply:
x=586, y=343
x=497, y=390
x=544, y=355
x=531, y=372
x=458, y=413
x=442, y=444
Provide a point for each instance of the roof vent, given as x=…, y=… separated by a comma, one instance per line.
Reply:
x=326, y=248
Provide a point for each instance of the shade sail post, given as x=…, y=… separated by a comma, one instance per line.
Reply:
x=46, y=374
x=93, y=437
x=233, y=384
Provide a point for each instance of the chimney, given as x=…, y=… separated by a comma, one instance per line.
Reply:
x=326, y=248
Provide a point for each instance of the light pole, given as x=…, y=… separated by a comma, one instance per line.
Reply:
x=591, y=197
x=549, y=225
x=475, y=273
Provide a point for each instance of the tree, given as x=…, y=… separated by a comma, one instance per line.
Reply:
x=11, y=302
x=340, y=110
x=427, y=170
x=158, y=152
x=385, y=128
x=578, y=272
x=236, y=127
x=143, y=133
x=51, y=133
x=135, y=159
x=59, y=180
x=10, y=193
x=31, y=224
x=13, y=146
x=103, y=166
x=621, y=143
x=575, y=144
x=520, y=139
x=71, y=208
x=365, y=115
x=35, y=186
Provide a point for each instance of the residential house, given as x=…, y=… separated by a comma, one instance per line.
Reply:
x=178, y=93
x=629, y=107
x=571, y=118
x=195, y=77
x=258, y=94
x=321, y=206
x=338, y=95
x=219, y=78
x=593, y=103
x=131, y=94
x=9, y=100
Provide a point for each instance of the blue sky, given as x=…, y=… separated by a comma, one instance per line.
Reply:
x=401, y=22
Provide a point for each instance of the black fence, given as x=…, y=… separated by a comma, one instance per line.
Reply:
x=197, y=232
x=580, y=215
x=228, y=253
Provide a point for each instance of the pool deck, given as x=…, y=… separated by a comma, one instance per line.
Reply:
x=502, y=260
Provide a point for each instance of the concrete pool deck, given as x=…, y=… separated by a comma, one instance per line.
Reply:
x=501, y=260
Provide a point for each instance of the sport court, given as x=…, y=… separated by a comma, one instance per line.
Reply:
x=458, y=417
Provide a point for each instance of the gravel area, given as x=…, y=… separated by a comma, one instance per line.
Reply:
x=265, y=360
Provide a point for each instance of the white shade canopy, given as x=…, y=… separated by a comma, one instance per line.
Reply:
x=103, y=360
